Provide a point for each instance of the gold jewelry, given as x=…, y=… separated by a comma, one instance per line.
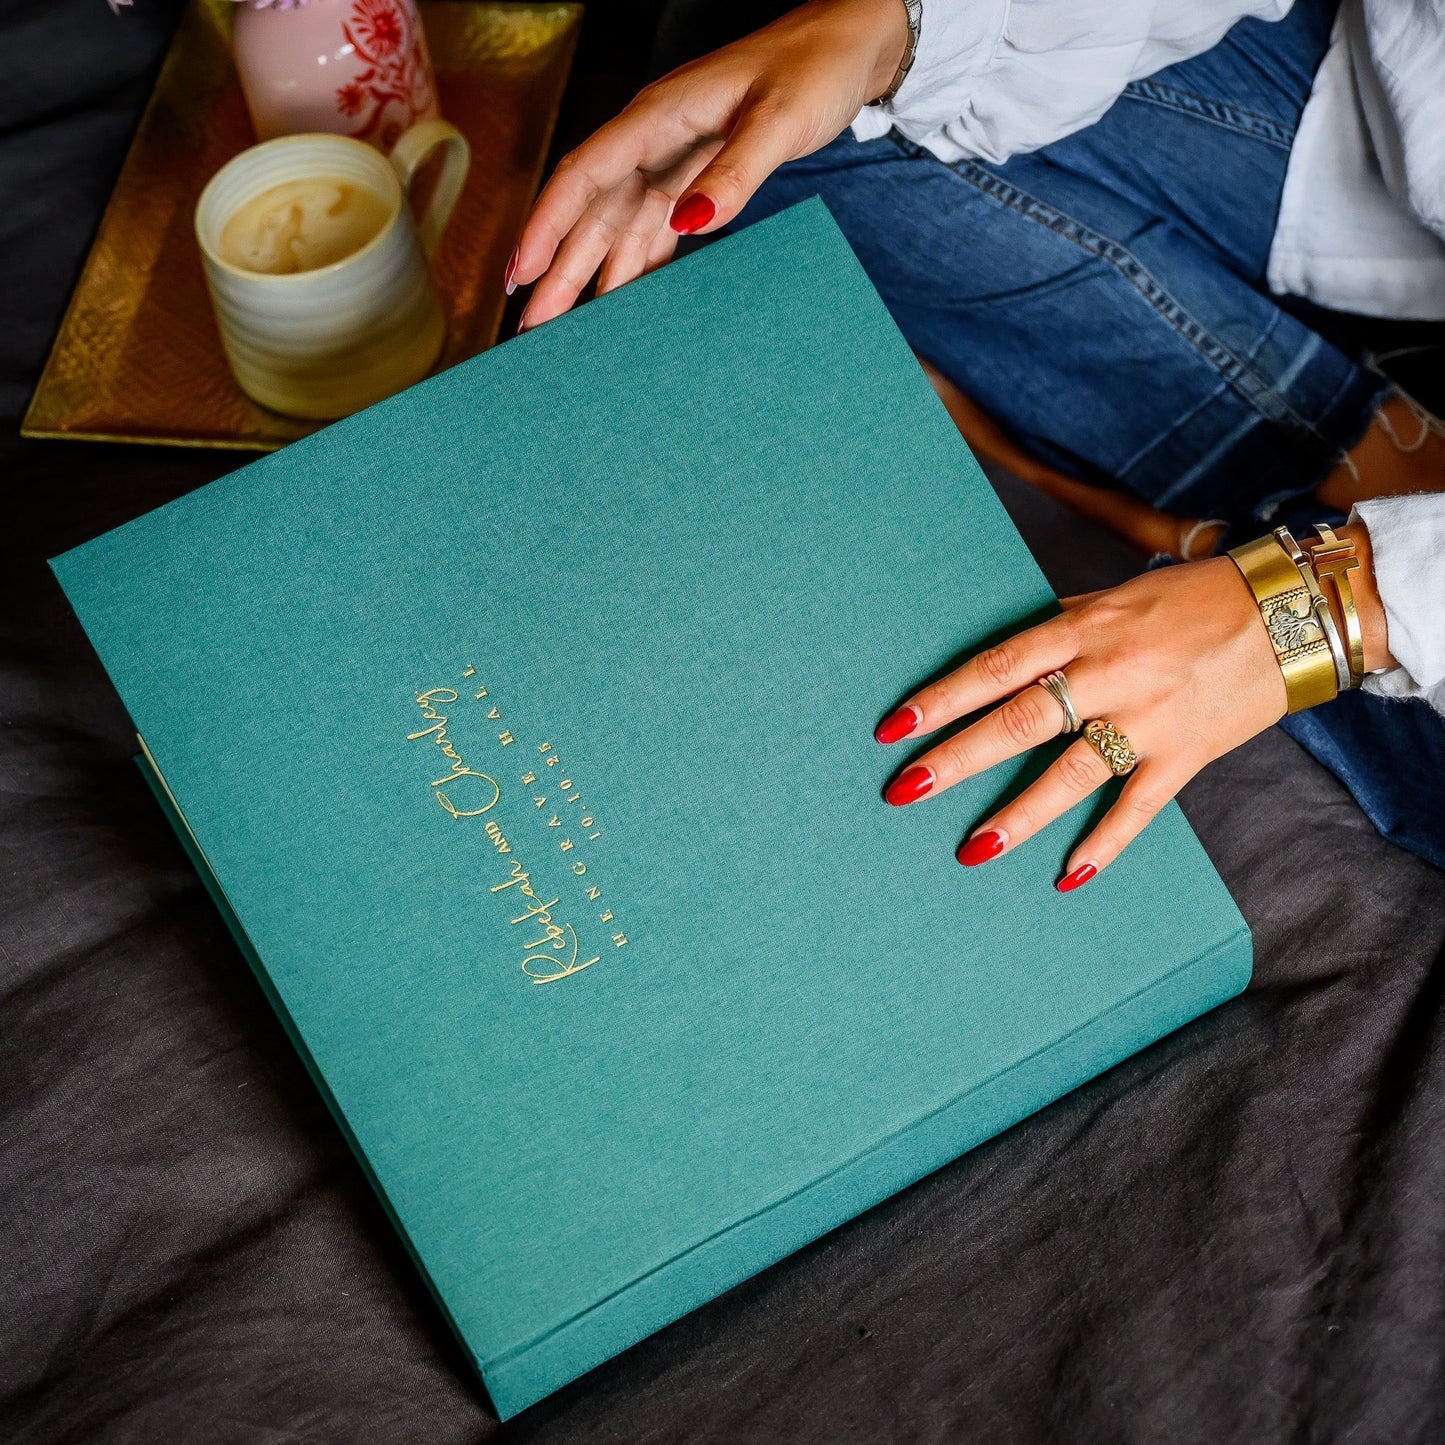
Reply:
x=1112, y=746
x=1321, y=605
x=1057, y=687
x=1333, y=559
x=1285, y=607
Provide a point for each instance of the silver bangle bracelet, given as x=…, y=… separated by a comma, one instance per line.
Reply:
x=1321, y=606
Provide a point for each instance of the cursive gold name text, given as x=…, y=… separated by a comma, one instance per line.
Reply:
x=558, y=963
x=483, y=786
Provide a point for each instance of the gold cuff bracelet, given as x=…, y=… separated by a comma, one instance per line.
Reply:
x=1287, y=609
x=1333, y=559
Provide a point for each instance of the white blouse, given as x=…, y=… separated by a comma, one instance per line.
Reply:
x=1408, y=538
x=1362, y=219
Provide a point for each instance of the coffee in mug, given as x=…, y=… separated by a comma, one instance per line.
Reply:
x=318, y=274
x=302, y=225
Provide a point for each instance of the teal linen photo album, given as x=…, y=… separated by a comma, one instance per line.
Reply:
x=521, y=728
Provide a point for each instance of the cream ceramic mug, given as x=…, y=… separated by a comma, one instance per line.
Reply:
x=323, y=343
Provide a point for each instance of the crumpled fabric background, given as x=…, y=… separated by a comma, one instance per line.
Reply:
x=1235, y=1236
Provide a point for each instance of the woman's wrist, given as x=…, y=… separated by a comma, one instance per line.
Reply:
x=882, y=35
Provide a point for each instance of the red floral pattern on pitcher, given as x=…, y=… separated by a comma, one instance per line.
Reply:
x=394, y=87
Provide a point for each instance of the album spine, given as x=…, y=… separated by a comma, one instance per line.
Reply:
x=172, y=810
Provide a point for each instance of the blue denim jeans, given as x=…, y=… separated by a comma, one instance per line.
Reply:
x=1105, y=300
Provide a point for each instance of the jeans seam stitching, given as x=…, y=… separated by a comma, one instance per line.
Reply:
x=1159, y=438
x=1254, y=388
x=1205, y=402
x=1216, y=112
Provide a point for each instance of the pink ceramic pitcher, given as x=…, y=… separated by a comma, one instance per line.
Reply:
x=355, y=67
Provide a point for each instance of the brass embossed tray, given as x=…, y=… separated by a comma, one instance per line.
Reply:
x=138, y=357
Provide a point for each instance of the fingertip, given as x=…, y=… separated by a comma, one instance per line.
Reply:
x=910, y=785
x=981, y=846
x=541, y=307
x=1077, y=877
x=692, y=213
x=523, y=266
x=898, y=724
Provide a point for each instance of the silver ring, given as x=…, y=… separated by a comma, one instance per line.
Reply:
x=1057, y=687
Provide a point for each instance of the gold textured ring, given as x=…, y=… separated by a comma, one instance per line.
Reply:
x=1112, y=746
x=1057, y=687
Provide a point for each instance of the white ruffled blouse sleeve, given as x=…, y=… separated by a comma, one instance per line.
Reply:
x=993, y=78
x=1401, y=69
x=1407, y=536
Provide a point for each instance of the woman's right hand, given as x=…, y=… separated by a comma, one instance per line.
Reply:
x=688, y=153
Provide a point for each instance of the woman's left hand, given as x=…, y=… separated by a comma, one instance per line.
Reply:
x=1177, y=660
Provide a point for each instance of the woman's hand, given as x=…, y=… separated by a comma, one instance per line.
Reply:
x=1178, y=660
x=688, y=153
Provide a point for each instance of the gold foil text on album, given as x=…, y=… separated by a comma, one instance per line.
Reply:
x=549, y=941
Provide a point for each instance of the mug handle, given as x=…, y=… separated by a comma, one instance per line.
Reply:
x=411, y=152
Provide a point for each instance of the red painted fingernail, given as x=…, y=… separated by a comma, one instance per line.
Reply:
x=898, y=724
x=910, y=784
x=1077, y=878
x=692, y=213
x=507, y=280
x=981, y=847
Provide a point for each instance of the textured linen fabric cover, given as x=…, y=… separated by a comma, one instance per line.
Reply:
x=1236, y=1235
x=703, y=651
